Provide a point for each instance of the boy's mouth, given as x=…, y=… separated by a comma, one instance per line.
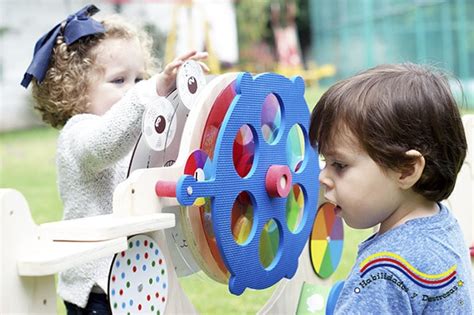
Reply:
x=337, y=209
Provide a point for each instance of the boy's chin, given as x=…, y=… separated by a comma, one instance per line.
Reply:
x=357, y=225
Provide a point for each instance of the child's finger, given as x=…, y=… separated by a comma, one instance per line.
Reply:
x=200, y=55
x=173, y=65
x=204, y=67
x=187, y=55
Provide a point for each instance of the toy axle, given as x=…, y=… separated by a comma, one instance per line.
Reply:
x=165, y=189
x=277, y=183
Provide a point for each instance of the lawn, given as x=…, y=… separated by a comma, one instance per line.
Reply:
x=27, y=164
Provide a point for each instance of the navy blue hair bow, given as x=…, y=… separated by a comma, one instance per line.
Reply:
x=77, y=26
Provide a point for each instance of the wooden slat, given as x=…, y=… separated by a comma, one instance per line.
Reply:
x=45, y=257
x=105, y=227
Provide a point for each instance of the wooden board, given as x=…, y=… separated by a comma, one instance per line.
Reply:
x=105, y=227
x=50, y=257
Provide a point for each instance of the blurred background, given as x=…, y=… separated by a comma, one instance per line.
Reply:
x=321, y=40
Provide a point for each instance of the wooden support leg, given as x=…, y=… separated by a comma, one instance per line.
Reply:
x=20, y=295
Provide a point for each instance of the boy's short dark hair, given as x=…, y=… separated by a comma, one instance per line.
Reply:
x=391, y=109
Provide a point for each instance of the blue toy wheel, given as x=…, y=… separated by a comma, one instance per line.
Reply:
x=267, y=182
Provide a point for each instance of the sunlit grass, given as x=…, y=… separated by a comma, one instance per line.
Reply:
x=28, y=165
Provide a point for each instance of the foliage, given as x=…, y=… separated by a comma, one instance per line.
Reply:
x=255, y=34
x=159, y=40
x=252, y=19
x=3, y=30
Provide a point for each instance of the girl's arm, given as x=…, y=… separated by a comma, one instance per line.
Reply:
x=97, y=142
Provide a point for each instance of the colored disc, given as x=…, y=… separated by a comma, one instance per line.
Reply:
x=243, y=154
x=245, y=124
x=243, y=158
x=327, y=239
x=138, y=278
x=295, y=148
x=199, y=165
x=271, y=118
x=199, y=218
x=243, y=150
x=242, y=217
x=294, y=208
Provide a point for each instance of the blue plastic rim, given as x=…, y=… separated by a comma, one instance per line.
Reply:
x=333, y=297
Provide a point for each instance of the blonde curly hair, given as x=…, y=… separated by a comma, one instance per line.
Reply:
x=64, y=92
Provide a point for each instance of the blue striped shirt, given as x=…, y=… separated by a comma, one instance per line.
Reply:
x=422, y=266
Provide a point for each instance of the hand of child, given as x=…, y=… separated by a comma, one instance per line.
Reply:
x=166, y=80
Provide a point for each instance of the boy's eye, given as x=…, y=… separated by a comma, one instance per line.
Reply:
x=339, y=166
x=138, y=79
x=118, y=80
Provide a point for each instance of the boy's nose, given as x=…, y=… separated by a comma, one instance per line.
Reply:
x=325, y=180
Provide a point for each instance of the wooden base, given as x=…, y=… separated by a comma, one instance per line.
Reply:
x=32, y=254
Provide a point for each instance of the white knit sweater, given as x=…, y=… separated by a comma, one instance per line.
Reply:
x=92, y=159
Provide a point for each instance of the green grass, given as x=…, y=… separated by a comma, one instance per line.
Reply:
x=28, y=165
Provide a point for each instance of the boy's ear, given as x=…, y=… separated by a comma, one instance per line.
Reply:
x=409, y=177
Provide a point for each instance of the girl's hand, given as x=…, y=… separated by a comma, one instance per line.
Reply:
x=166, y=81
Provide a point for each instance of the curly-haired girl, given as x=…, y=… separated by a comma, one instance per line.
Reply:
x=93, y=78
